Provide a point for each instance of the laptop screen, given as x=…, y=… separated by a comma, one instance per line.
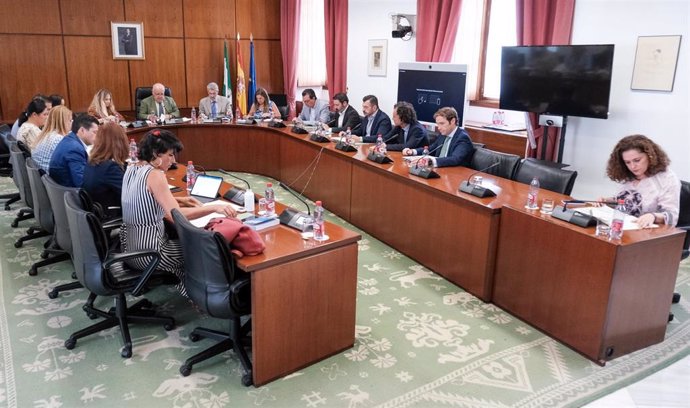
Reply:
x=206, y=186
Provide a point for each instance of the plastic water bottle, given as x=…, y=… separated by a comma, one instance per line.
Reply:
x=423, y=162
x=319, y=228
x=193, y=115
x=238, y=114
x=133, y=151
x=191, y=175
x=494, y=118
x=270, y=114
x=382, y=148
x=348, y=136
x=249, y=200
x=270, y=197
x=501, y=118
x=533, y=195
x=616, y=231
x=379, y=142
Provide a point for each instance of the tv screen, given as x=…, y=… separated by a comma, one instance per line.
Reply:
x=567, y=80
x=429, y=86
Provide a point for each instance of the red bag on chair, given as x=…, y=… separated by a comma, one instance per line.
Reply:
x=242, y=239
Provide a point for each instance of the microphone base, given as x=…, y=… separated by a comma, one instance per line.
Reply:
x=477, y=191
x=574, y=217
x=379, y=159
x=293, y=218
x=319, y=139
x=344, y=147
x=426, y=172
x=236, y=195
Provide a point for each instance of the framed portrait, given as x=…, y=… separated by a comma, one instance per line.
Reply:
x=128, y=40
x=656, y=59
x=378, y=57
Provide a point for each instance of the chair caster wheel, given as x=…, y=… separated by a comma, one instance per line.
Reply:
x=194, y=337
x=15, y=224
x=670, y=317
x=44, y=255
x=169, y=326
x=18, y=244
x=33, y=271
x=53, y=294
x=675, y=298
x=70, y=343
x=247, y=380
x=91, y=316
x=126, y=352
x=185, y=370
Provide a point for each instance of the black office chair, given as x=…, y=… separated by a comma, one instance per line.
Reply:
x=144, y=92
x=281, y=102
x=684, y=224
x=550, y=178
x=44, y=214
x=104, y=273
x=477, y=145
x=213, y=284
x=483, y=158
x=21, y=180
x=6, y=164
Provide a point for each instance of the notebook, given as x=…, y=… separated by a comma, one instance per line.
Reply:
x=206, y=187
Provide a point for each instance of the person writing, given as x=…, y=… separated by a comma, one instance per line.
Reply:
x=158, y=106
x=263, y=107
x=408, y=133
x=147, y=202
x=313, y=110
x=453, y=146
x=103, y=108
x=650, y=189
x=214, y=105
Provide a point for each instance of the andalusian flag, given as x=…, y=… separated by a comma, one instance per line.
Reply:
x=252, y=72
x=227, y=86
x=241, y=96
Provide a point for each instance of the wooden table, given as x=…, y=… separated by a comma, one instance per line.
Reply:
x=303, y=296
x=603, y=299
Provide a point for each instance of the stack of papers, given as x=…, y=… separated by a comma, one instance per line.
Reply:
x=606, y=214
x=202, y=221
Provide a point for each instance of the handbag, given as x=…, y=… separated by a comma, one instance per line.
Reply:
x=241, y=239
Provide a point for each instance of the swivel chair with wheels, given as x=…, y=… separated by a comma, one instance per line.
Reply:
x=684, y=224
x=550, y=178
x=483, y=158
x=143, y=92
x=21, y=179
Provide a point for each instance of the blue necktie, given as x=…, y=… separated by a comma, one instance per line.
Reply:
x=214, y=111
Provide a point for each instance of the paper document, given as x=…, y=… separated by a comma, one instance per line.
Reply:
x=606, y=214
x=337, y=139
x=202, y=221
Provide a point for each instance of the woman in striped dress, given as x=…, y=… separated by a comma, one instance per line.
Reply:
x=147, y=202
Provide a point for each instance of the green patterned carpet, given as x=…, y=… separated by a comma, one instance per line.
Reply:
x=420, y=342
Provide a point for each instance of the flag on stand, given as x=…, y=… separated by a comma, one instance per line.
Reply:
x=241, y=96
x=252, y=72
x=227, y=86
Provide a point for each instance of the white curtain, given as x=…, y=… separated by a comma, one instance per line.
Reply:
x=311, y=67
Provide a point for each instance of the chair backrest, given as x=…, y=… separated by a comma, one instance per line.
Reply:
x=144, y=92
x=282, y=103
x=550, y=177
x=56, y=195
x=209, y=269
x=477, y=145
x=89, y=248
x=19, y=174
x=5, y=132
x=684, y=214
x=43, y=211
x=483, y=158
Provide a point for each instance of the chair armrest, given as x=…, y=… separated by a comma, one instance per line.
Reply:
x=148, y=271
x=236, y=300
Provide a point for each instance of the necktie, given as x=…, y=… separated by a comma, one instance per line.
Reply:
x=404, y=136
x=214, y=110
x=370, y=123
x=444, y=149
x=160, y=108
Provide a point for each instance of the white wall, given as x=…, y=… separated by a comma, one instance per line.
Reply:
x=663, y=116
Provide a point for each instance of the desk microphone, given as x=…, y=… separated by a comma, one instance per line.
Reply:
x=297, y=196
x=475, y=190
x=426, y=172
x=236, y=194
x=575, y=217
x=566, y=202
x=291, y=217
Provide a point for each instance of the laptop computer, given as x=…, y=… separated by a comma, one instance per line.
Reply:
x=206, y=187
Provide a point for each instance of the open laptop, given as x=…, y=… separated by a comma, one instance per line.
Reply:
x=206, y=187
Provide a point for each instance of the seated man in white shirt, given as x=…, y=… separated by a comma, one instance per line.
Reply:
x=313, y=109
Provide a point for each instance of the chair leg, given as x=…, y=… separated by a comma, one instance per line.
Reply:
x=31, y=233
x=11, y=199
x=49, y=261
x=23, y=214
x=64, y=287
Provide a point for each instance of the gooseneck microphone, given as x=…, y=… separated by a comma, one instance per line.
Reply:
x=297, y=196
x=475, y=190
x=566, y=202
x=426, y=172
x=236, y=194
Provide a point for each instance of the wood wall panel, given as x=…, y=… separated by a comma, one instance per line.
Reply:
x=26, y=72
x=90, y=17
x=164, y=63
x=260, y=18
x=30, y=17
x=269, y=64
x=162, y=18
x=209, y=19
x=204, y=60
x=85, y=78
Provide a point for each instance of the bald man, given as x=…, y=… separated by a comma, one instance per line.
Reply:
x=158, y=105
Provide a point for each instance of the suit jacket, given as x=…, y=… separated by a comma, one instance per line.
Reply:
x=103, y=182
x=351, y=120
x=381, y=125
x=459, y=152
x=222, y=106
x=68, y=161
x=323, y=114
x=148, y=106
x=416, y=137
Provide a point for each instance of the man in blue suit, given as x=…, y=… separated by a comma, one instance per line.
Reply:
x=69, y=158
x=408, y=132
x=453, y=147
x=375, y=121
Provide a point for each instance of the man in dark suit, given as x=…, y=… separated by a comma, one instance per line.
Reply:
x=375, y=121
x=347, y=116
x=453, y=147
x=69, y=158
x=408, y=132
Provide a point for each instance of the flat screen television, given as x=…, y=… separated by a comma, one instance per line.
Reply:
x=564, y=80
x=429, y=86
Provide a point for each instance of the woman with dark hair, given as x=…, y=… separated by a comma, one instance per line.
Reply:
x=147, y=202
x=651, y=190
x=263, y=106
x=106, y=167
x=32, y=120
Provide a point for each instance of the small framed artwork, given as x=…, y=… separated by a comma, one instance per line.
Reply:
x=127, y=39
x=656, y=59
x=378, y=57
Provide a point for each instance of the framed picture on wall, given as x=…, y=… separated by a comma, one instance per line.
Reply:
x=656, y=59
x=127, y=39
x=378, y=57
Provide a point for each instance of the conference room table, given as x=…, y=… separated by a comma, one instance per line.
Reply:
x=451, y=233
x=303, y=295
